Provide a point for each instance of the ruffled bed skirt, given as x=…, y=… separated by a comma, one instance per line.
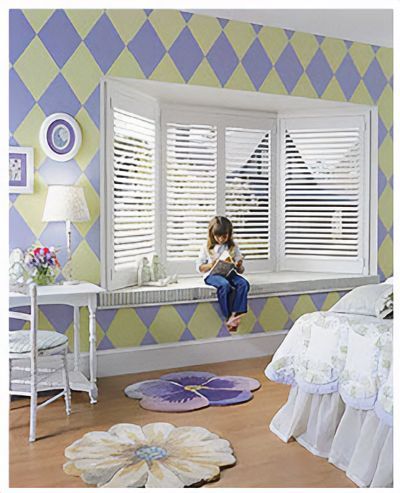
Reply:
x=356, y=441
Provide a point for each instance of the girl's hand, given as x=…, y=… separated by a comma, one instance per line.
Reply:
x=239, y=266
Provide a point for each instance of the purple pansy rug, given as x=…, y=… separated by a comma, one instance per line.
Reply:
x=191, y=390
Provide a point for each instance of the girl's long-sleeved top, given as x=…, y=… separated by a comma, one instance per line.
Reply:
x=206, y=257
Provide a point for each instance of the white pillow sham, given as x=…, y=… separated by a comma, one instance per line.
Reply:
x=374, y=299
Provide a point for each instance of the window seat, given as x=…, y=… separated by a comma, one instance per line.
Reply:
x=263, y=284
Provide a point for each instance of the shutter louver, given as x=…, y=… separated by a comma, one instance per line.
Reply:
x=191, y=187
x=322, y=193
x=133, y=187
x=247, y=189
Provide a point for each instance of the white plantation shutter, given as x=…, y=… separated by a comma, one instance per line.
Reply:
x=191, y=187
x=323, y=196
x=130, y=173
x=247, y=189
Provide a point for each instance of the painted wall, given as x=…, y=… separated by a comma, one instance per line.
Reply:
x=57, y=58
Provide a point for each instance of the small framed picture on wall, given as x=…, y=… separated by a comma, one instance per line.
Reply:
x=20, y=170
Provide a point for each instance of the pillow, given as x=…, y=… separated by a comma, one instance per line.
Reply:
x=374, y=299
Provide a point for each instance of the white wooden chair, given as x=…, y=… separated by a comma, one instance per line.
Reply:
x=28, y=348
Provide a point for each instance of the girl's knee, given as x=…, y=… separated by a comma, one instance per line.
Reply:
x=244, y=284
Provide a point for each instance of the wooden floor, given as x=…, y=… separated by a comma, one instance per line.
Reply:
x=263, y=460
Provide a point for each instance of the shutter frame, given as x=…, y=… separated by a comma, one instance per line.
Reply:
x=118, y=95
x=329, y=262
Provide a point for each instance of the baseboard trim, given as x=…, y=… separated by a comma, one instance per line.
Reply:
x=112, y=362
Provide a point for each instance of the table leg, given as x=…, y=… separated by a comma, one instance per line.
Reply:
x=77, y=352
x=92, y=305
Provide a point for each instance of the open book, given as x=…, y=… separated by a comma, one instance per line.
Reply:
x=224, y=266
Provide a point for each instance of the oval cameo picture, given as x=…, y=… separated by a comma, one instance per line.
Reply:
x=60, y=137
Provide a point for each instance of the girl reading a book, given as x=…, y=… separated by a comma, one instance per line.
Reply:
x=232, y=288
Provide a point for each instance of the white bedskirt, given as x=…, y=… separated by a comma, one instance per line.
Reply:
x=354, y=440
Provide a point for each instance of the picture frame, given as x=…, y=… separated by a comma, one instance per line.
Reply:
x=21, y=169
x=60, y=136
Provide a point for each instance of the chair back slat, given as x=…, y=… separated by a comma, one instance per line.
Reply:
x=19, y=315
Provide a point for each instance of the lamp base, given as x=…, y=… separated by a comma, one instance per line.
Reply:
x=69, y=283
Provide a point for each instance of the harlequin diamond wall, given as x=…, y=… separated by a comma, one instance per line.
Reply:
x=57, y=58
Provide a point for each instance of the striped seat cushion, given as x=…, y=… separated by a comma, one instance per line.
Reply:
x=20, y=341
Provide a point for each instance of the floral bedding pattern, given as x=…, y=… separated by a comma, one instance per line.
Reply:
x=327, y=352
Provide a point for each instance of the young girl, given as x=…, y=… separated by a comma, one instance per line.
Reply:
x=232, y=290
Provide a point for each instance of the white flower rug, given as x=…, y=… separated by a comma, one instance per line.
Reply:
x=157, y=455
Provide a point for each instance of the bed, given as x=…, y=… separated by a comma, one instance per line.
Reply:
x=340, y=404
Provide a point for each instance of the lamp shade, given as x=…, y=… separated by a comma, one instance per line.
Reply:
x=65, y=203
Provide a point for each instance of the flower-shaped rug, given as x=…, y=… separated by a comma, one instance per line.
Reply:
x=157, y=455
x=190, y=390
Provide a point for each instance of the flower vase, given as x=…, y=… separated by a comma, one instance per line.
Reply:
x=44, y=277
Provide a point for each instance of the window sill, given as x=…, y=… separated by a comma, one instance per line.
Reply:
x=266, y=284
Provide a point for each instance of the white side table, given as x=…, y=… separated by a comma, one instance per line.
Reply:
x=75, y=295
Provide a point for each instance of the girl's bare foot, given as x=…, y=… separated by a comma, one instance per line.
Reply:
x=233, y=323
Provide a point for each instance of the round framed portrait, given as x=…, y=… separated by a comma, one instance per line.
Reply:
x=60, y=137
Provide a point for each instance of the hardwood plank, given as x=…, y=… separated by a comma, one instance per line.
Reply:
x=263, y=460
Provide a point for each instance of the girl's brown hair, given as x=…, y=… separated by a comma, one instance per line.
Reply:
x=219, y=226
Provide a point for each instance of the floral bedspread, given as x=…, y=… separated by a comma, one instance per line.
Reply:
x=327, y=352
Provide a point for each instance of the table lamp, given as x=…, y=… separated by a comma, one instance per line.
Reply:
x=66, y=203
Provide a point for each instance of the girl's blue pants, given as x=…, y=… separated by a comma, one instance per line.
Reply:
x=231, y=292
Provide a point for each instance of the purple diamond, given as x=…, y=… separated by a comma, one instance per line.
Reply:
x=147, y=314
x=289, y=68
x=318, y=300
x=319, y=72
x=21, y=34
x=382, y=232
x=257, y=305
x=289, y=33
x=289, y=301
x=104, y=43
x=147, y=48
x=257, y=28
x=257, y=329
x=186, y=53
x=186, y=335
x=223, y=332
x=382, y=181
x=222, y=58
x=105, y=343
x=148, y=340
x=148, y=11
x=348, y=76
x=60, y=37
x=187, y=16
x=20, y=235
x=375, y=48
x=319, y=38
x=222, y=22
x=60, y=173
x=60, y=316
x=375, y=80
x=93, y=238
x=21, y=101
x=348, y=43
x=382, y=131
x=92, y=106
x=257, y=63
x=51, y=102
x=186, y=311
x=105, y=317
x=92, y=172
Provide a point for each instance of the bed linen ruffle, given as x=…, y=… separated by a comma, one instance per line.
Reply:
x=354, y=440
